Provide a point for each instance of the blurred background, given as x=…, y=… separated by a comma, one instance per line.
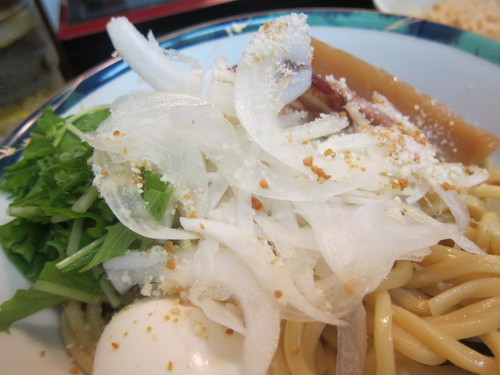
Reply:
x=45, y=43
x=78, y=25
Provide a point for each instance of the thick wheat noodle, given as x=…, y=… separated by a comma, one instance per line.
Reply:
x=300, y=348
x=480, y=288
x=415, y=349
x=410, y=301
x=487, y=264
x=279, y=365
x=94, y=317
x=444, y=344
x=320, y=361
x=492, y=340
x=382, y=334
x=406, y=343
x=399, y=276
x=482, y=236
x=466, y=311
x=415, y=368
x=470, y=321
x=494, y=177
x=442, y=253
x=477, y=207
x=494, y=234
x=80, y=326
x=486, y=191
x=72, y=344
x=331, y=360
x=330, y=336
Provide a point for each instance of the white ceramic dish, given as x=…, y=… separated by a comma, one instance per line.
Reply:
x=457, y=68
x=403, y=7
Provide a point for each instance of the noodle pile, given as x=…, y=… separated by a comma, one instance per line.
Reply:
x=478, y=16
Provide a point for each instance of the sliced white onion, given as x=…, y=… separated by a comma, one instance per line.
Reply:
x=161, y=69
x=261, y=334
x=352, y=343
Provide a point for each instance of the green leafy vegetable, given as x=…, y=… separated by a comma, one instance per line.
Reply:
x=24, y=303
x=62, y=229
x=157, y=194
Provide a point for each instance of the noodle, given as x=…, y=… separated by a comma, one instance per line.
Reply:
x=480, y=288
x=383, y=334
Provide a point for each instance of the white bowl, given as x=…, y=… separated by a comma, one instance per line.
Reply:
x=457, y=68
x=403, y=7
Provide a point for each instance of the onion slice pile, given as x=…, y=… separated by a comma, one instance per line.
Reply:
x=288, y=217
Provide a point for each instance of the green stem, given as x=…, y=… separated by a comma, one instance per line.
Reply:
x=70, y=293
x=85, y=201
x=26, y=210
x=75, y=236
x=80, y=253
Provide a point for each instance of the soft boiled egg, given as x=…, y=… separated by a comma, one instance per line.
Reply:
x=162, y=336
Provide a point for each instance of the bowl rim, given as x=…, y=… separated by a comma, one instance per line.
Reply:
x=110, y=69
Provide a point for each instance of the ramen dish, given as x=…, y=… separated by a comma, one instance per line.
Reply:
x=301, y=212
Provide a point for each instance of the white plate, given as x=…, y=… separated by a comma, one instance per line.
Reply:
x=404, y=7
x=457, y=68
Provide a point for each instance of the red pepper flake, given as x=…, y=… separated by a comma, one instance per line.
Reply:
x=115, y=345
x=42, y=353
x=329, y=152
x=139, y=180
x=170, y=247
x=308, y=162
x=256, y=204
x=116, y=133
x=264, y=184
x=104, y=173
x=229, y=331
x=401, y=183
x=447, y=186
x=171, y=264
x=322, y=176
x=278, y=293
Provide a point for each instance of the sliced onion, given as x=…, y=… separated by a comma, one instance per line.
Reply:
x=261, y=334
x=120, y=192
x=160, y=68
x=352, y=343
